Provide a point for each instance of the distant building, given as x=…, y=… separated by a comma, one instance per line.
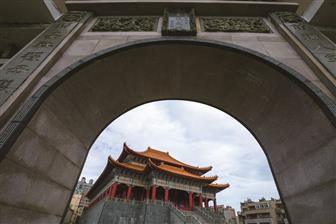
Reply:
x=68, y=217
x=263, y=212
x=229, y=214
x=78, y=201
x=83, y=187
x=240, y=219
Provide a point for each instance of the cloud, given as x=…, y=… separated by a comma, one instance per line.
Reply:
x=196, y=134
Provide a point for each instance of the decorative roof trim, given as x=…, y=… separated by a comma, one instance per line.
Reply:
x=218, y=186
x=116, y=163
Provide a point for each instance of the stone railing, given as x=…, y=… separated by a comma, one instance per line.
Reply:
x=192, y=219
x=177, y=212
x=133, y=202
x=186, y=218
x=206, y=215
x=209, y=215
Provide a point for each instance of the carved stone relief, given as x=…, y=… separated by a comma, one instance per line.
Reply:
x=125, y=24
x=234, y=24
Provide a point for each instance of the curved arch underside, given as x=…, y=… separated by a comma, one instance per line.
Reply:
x=291, y=123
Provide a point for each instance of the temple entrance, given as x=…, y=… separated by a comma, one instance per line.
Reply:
x=139, y=193
x=160, y=193
x=179, y=198
x=121, y=191
x=289, y=116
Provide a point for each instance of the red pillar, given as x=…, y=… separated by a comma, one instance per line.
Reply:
x=190, y=200
x=153, y=193
x=113, y=190
x=166, y=194
x=206, y=203
x=215, y=205
x=129, y=192
x=200, y=200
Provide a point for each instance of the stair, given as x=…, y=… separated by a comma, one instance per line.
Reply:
x=196, y=218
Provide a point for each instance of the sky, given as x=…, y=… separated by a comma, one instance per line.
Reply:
x=196, y=134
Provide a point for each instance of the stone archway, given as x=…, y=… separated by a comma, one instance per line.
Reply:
x=46, y=144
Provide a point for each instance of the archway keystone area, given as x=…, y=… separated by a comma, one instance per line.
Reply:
x=45, y=145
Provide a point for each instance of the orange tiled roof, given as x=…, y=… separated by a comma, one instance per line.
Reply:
x=219, y=186
x=131, y=166
x=171, y=169
x=181, y=172
x=161, y=156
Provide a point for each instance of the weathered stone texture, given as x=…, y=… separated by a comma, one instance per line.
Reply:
x=44, y=159
x=32, y=191
x=16, y=215
x=47, y=126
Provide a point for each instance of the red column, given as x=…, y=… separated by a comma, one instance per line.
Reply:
x=166, y=194
x=113, y=190
x=215, y=205
x=200, y=200
x=153, y=193
x=206, y=203
x=190, y=200
x=129, y=192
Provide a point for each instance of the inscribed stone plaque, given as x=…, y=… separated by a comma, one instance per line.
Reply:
x=23, y=64
x=179, y=22
x=318, y=45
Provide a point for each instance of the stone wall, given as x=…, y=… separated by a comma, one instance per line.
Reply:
x=92, y=215
x=156, y=214
x=119, y=212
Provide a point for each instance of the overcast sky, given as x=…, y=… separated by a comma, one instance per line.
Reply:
x=196, y=134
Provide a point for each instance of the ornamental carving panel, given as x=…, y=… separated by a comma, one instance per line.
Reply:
x=234, y=24
x=125, y=24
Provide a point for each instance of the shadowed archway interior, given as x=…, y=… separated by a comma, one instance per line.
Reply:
x=294, y=126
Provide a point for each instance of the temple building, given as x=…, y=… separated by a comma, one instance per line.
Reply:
x=153, y=177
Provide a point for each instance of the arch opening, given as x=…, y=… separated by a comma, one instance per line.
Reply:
x=289, y=118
